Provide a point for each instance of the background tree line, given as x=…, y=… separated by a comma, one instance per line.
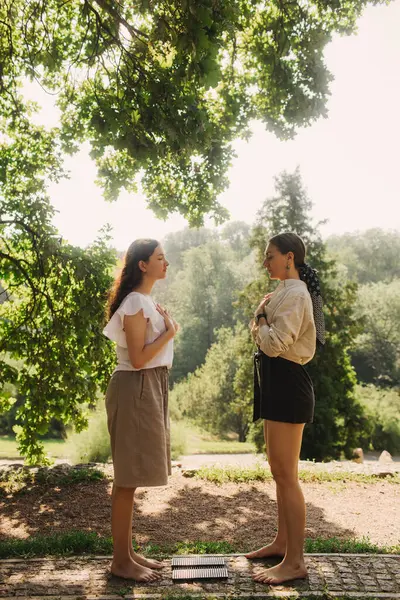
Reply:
x=214, y=282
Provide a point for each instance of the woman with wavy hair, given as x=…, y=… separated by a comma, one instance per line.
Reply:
x=286, y=327
x=137, y=396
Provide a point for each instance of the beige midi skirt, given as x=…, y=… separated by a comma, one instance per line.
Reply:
x=138, y=424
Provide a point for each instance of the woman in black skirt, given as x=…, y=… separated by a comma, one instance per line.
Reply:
x=287, y=325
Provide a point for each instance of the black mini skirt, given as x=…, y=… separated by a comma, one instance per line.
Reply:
x=283, y=390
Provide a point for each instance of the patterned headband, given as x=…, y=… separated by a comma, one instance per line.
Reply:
x=311, y=279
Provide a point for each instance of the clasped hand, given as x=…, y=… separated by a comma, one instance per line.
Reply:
x=170, y=322
x=261, y=306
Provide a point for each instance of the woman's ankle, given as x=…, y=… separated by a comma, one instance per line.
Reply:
x=280, y=542
x=295, y=562
x=121, y=561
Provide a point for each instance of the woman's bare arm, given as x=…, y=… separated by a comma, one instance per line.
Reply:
x=139, y=352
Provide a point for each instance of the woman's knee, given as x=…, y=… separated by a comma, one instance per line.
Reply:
x=283, y=474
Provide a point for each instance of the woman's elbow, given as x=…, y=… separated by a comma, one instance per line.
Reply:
x=136, y=362
x=270, y=352
x=273, y=350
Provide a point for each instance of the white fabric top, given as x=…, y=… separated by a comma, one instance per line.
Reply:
x=290, y=332
x=132, y=304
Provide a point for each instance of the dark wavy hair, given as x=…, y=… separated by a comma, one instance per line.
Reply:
x=131, y=274
x=290, y=242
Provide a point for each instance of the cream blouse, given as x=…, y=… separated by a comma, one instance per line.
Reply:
x=290, y=332
x=131, y=304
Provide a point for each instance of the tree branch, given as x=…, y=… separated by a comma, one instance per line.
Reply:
x=121, y=20
x=20, y=223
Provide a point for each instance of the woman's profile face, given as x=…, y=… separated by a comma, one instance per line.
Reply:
x=157, y=265
x=275, y=262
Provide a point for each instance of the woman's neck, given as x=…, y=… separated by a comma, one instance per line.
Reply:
x=292, y=274
x=145, y=286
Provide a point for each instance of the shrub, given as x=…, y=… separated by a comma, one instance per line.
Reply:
x=179, y=441
x=382, y=407
x=93, y=444
x=256, y=435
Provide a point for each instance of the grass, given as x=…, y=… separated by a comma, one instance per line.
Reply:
x=65, y=544
x=233, y=473
x=90, y=543
x=221, y=447
x=199, y=441
x=18, y=480
x=198, y=445
x=351, y=546
x=54, y=448
x=77, y=543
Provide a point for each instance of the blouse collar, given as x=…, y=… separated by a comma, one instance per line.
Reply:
x=291, y=283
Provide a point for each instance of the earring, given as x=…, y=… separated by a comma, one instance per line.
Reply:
x=288, y=267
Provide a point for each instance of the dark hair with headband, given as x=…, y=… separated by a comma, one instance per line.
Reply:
x=291, y=242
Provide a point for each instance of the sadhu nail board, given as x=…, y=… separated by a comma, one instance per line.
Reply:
x=199, y=567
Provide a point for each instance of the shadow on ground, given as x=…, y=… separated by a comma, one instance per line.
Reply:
x=187, y=510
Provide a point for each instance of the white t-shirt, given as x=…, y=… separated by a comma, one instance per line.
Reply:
x=132, y=304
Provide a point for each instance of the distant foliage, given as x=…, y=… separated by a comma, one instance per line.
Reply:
x=382, y=408
x=92, y=444
x=213, y=396
x=370, y=256
x=207, y=271
x=376, y=355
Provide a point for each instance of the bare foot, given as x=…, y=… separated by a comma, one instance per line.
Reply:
x=145, y=562
x=132, y=570
x=281, y=573
x=273, y=549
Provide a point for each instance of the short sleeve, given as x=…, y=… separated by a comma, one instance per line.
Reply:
x=131, y=305
x=274, y=339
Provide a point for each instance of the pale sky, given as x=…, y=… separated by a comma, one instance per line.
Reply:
x=349, y=162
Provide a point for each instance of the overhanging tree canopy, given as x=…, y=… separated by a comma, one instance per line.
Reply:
x=164, y=87
x=55, y=293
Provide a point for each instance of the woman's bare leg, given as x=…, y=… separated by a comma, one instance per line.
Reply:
x=278, y=546
x=284, y=444
x=141, y=560
x=121, y=526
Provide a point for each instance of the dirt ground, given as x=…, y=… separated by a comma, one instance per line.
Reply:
x=194, y=510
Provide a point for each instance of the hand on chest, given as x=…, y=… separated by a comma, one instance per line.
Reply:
x=156, y=321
